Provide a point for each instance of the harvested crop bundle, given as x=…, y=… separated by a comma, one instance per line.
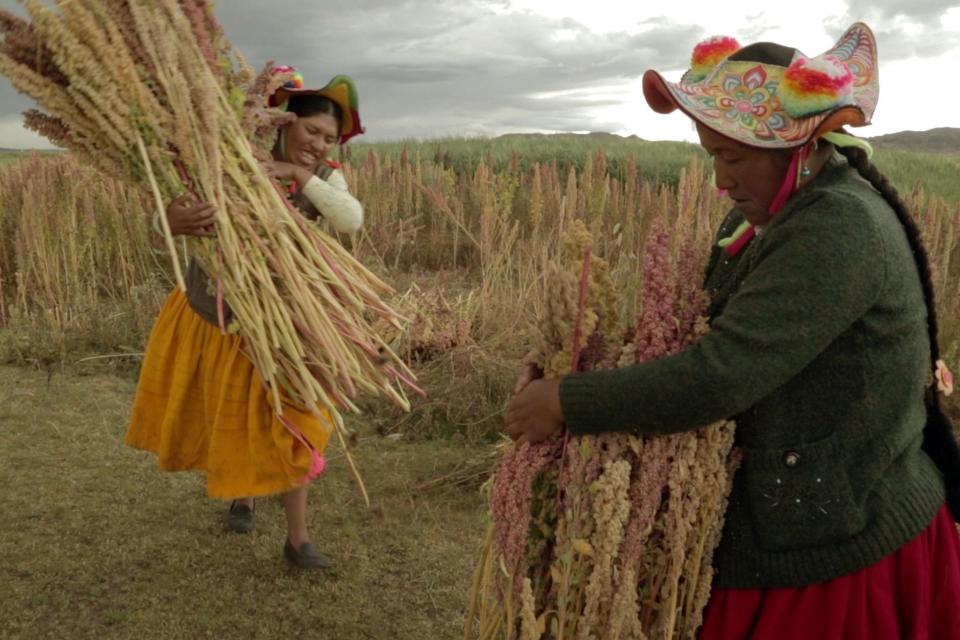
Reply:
x=153, y=93
x=607, y=536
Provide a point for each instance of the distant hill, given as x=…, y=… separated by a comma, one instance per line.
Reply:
x=594, y=136
x=942, y=140
x=7, y=151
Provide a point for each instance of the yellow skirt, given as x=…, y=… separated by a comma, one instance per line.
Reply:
x=201, y=405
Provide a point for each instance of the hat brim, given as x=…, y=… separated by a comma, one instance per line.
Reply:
x=342, y=92
x=738, y=99
x=657, y=94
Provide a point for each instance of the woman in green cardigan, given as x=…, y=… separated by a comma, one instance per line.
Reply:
x=821, y=343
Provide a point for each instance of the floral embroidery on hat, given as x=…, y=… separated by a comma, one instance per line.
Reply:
x=750, y=100
x=944, y=378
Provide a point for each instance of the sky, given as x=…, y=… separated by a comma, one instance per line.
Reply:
x=433, y=68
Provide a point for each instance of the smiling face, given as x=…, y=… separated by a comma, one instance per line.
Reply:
x=752, y=177
x=309, y=140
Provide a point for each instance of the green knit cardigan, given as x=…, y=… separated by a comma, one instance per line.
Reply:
x=819, y=350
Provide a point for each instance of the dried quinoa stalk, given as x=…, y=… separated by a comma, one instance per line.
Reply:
x=611, y=536
x=151, y=92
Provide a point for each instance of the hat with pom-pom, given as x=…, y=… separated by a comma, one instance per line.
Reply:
x=770, y=96
x=340, y=90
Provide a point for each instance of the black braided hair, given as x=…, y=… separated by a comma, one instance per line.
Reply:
x=939, y=441
x=858, y=160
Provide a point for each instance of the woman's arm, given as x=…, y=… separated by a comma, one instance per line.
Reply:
x=815, y=275
x=333, y=200
x=187, y=219
x=331, y=197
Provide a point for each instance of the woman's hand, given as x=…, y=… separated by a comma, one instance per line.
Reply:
x=535, y=414
x=188, y=219
x=286, y=172
x=529, y=373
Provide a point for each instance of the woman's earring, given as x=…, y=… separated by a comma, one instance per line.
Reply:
x=805, y=171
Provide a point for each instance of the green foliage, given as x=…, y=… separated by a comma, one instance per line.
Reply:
x=656, y=161
x=909, y=170
x=8, y=156
x=940, y=140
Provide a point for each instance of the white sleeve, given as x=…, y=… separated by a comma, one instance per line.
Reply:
x=333, y=200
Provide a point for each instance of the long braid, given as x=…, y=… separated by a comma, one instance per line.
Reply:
x=939, y=441
x=858, y=160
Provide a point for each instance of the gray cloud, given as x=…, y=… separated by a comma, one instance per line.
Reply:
x=927, y=11
x=903, y=29
x=900, y=42
x=428, y=68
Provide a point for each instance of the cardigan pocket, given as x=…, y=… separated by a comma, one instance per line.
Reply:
x=800, y=496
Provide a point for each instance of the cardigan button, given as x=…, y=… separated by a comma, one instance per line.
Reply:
x=791, y=458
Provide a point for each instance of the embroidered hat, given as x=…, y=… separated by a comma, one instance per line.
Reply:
x=770, y=96
x=340, y=90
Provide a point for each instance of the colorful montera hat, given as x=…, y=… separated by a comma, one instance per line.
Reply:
x=340, y=89
x=770, y=96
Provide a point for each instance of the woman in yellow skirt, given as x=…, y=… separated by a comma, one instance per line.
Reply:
x=200, y=404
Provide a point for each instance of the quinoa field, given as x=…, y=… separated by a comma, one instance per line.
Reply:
x=98, y=544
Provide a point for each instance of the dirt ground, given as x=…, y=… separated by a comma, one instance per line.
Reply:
x=96, y=543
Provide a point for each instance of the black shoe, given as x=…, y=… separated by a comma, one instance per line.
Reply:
x=241, y=518
x=306, y=557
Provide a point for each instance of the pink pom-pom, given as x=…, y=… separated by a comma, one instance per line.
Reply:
x=317, y=466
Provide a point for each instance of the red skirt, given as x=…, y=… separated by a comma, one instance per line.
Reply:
x=912, y=594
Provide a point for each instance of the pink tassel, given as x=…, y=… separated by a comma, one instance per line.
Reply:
x=787, y=191
x=789, y=186
x=317, y=462
x=318, y=466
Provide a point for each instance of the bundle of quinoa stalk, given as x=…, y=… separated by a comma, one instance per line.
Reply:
x=151, y=92
x=607, y=537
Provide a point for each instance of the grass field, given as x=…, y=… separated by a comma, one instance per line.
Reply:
x=97, y=544
x=656, y=161
x=7, y=156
